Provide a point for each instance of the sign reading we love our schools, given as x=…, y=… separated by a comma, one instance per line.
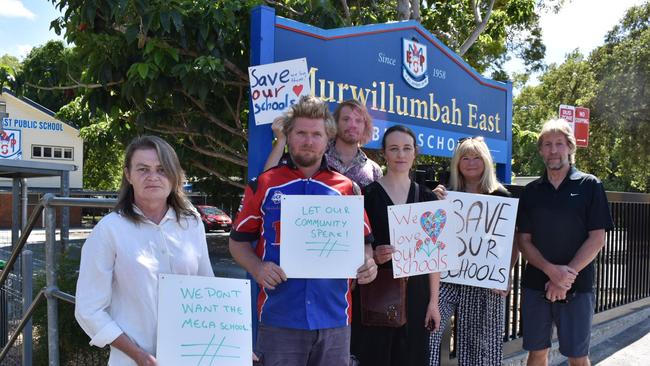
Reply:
x=401, y=72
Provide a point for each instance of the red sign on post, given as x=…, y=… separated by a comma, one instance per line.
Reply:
x=581, y=126
x=578, y=118
x=567, y=112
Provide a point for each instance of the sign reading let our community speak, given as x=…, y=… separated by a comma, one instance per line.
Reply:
x=483, y=228
x=422, y=237
x=321, y=236
x=277, y=86
x=204, y=321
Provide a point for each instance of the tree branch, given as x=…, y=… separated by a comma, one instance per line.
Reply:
x=217, y=174
x=215, y=154
x=403, y=10
x=76, y=86
x=211, y=117
x=346, y=11
x=480, y=27
x=415, y=10
x=291, y=10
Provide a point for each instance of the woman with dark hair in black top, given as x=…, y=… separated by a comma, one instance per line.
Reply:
x=406, y=345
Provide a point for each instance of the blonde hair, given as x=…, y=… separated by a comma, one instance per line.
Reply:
x=477, y=146
x=367, y=120
x=310, y=107
x=559, y=126
x=172, y=167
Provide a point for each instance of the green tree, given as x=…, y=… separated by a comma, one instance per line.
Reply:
x=178, y=67
x=42, y=72
x=103, y=149
x=613, y=82
x=622, y=67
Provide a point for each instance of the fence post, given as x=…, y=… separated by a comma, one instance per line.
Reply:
x=28, y=270
x=51, y=277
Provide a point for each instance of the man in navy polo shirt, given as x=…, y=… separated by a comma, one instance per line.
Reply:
x=562, y=220
x=302, y=321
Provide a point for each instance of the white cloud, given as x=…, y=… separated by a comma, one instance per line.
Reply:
x=15, y=9
x=581, y=24
x=23, y=49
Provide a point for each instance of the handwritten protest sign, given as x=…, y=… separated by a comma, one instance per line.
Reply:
x=277, y=86
x=423, y=240
x=321, y=236
x=204, y=321
x=484, y=234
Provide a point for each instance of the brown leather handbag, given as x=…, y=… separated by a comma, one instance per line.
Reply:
x=383, y=301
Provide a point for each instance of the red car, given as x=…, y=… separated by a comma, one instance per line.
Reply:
x=214, y=219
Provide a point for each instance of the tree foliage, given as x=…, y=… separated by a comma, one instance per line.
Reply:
x=177, y=68
x=614, y=82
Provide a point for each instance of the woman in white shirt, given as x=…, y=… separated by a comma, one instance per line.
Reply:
x=153, y=230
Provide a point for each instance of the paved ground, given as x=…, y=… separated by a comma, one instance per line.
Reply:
x=631, y=347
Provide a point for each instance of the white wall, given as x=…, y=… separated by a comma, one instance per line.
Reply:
x=39, y=128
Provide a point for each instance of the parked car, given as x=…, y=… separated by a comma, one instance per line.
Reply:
x=214, y=219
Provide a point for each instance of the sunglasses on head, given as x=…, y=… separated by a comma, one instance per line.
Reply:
x=463, y=139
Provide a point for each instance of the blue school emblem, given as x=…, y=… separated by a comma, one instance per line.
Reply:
x=414, y=63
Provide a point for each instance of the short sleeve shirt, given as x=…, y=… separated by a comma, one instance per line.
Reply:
x=296, y=303
x=559, y=221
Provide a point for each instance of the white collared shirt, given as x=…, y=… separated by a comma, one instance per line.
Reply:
x=117, y=289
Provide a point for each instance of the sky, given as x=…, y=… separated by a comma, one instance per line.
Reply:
x=579, y=24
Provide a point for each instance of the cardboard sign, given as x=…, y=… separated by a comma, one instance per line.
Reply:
x=423, y=238
x=204, y=321
x=321, y=236
x=277, y=86
x=484, y=234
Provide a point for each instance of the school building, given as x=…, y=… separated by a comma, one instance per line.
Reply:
x=31, y=132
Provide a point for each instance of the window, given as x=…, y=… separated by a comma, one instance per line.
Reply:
x=52, y=152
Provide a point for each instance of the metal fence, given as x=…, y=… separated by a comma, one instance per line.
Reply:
x=622, y=266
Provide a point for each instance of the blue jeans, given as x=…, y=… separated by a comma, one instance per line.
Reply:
x=299, y=347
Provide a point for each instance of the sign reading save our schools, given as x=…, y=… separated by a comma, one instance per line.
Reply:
x=423, y=239
x=204, y=321
x=321, y=236
x=483, y=231
x=277, y=86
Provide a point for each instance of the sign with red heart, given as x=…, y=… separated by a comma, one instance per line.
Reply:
x=276, y=87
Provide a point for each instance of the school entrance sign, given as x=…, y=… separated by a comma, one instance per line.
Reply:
x=401, y=72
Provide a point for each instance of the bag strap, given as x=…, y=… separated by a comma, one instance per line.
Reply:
x=417, y=192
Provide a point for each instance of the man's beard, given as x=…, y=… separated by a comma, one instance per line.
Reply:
x=559, y=165
x=348, y=139
x=304, y=160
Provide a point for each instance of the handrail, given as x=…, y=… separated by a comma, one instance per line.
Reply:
x=23, y=321
x=51, y=292
x=26, y=231
x=49, y=200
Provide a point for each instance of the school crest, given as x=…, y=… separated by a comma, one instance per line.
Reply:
x=10, y=143
x=414, y=63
